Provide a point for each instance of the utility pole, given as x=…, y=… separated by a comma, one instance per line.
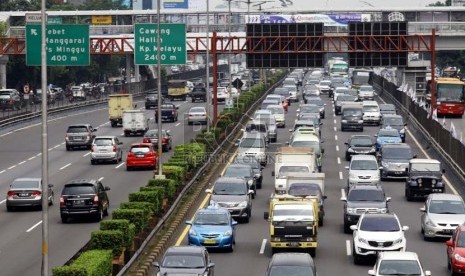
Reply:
x=159, y=123
x=207, y=60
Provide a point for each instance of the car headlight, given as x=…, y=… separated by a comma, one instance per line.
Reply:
x=360, y=121
x=434, y=181
x=383, y=210
x=385, y=164
x=459, y=258
x=350, y=150
x=419, y=180
x=429, y=222
x=192, y=232
x=228, y=233
x=276, y=239
x=362, y=240
x=398, y=241
x=351, y=211
x=243, y=204
x=344, y=121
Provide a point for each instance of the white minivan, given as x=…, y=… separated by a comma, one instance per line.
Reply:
x=253, y=145
x=363, y=169
x=371, y=112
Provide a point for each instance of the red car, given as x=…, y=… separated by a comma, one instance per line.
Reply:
x=141, y=155
x=456, y=251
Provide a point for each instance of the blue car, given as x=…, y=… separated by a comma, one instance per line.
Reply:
x=213, y=227
x=387, y=135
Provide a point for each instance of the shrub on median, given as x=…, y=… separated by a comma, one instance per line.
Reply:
x=174, y=172
x=108, y=239
x=151, y=197
x=123, y=225
x=138, y=217
x=89, y=263
x=168, y=184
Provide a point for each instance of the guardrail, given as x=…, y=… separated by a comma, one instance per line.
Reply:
x=189, y=185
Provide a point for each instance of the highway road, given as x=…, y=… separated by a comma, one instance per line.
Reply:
x=333, y=257
x=20, y=147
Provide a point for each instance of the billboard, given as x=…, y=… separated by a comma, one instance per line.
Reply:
x=331, y=20
x=175, y=4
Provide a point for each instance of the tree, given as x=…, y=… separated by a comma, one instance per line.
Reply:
x=441, y=4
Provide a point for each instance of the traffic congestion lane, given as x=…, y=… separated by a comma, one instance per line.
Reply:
x=334, y=250
x=19, y=222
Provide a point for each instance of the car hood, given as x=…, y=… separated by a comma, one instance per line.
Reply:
x=447, y=218
x=365, y=172
x=366, y=204
x=211, y=229
x=229, y=198
x=380, y=235
x=425, y=174
x=396, y=161
x=180, y=271
x=396, y=127
x=362, y=149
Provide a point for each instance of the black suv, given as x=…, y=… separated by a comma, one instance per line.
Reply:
x=10, y=99
x=394, y=159
x=169, y=112
x=81, y=135
x=84, y=198
x=360, y=144
x=199, y=92
x=363, y=199
x=151, y=99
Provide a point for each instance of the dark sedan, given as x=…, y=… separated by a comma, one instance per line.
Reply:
x=360, y=144
x=185, y=260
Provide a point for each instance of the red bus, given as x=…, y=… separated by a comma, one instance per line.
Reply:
x=450, y=96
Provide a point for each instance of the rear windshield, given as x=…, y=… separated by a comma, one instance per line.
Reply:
x=229, y=189
x=397, y=153
x=197, y=109
x=290, y=170
x=76, y=129
x=366, y=195
x=352, y=112
x=25, y=184
x=304, y=189
x=364, y=165
x=103, y=142
x=140, y=149
x=78, y=189
x=360, y=142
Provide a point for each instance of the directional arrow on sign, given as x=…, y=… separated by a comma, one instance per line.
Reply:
x=33, y=32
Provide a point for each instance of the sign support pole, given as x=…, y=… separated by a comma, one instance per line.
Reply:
x=44, y=267
x=215, y=79
x=159, y=123
x=433, y=72
x=207, y=61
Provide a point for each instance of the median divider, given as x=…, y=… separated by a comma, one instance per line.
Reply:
x=150, y=211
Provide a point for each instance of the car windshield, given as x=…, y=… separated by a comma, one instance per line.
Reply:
x=370, y=108
x=304, y=189
x=183, y=261
x=237, y=171
x=352, y=112
x=315, y=145
x=346, y=98
x=252, y=143
x=422, y=167
x=103, y=142
x=197, y=110
x=153, y=133
x=281, y=91
x=361, y=142
x=366, y=88
x=25, y=184
x=449, y=92
x=399, y=267
x=222, y=188
x=310, y=117
x=393, y=122
x=446, y=207
x=310, y=109
x=314, y=101
x=263, y=117
x=290, y=170
x=78, y=189
x=209, y=218
x=366, y=195
x=77, y=129
x=293, y=270
x=275, y=110
x=139, y=149
x=397, y=153
x=380, y=224
x=364, y=165
x=388, y=133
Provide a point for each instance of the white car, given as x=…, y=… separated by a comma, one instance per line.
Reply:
x=106, y=148
x=363, y=169
x=197, y=115
x=278, y=113
x=371, y=112
x=376, y=233
x=366, y=92
x=398, y=263
x=222, y=94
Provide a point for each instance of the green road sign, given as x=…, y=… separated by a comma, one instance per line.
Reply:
x=54, y=20
x=173, y=44
x=66, y=45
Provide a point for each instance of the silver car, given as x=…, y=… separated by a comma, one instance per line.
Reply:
x=106, y=148
x=197, y=115
x=441, y=215
x=27, y=192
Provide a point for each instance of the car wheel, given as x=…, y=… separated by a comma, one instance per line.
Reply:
x=99, y=215
x=408, y=195
x=105, y=212
x=68, y=148
x=347, y=157
x=357, y=258
x=312, y=252
x=92, y=162
x=64, y=218
x=347, y=229
x=128, y=168
x=9, y=208
x=232, y=247
x=52, y=200
x=259, y=185
x=321, y=222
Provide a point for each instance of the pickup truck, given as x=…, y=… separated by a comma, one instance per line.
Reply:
x=199, y=92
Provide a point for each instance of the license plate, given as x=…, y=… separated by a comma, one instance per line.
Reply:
x=78, y=202
x=77, y=138
x=447, y=231
x=398, y=172
x=209, y=242
x=293, y=244
x=140, y=156
x=23, y=194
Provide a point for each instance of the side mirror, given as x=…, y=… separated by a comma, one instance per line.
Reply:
x=405, y=228
x=443, y=170
x=95, y=129
x=177, y=107
x=107, y=188
x=135, y=106
x=272, y=173
x=388, y=199
x=371, y=272
x=346, y=143
x=208, y=191
x=414, y=156
x=347, y=167
x=290, y=130
x=406, y=169
x=188, y=222
x=449, y=243
x=376, y=135
x=322, y=151
x=266, y=215
x=120, y=143
x=381, y=167
x=427, y=273
x=353, y=227
x=423, y=209
x=343, y=198
x=156, y=264
x=256, y=176
x=250, y=182
x=321, y=124
x=234, y=222
x=287, y=143
x=250, y=192
x=405, y=124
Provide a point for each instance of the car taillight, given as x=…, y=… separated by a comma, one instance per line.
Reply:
x=11, y=100
x=164, y=140
x=62, y=201
x=145, y=140
x=114, y=148
x=36, y=193
x=95, y=202
x=11, y=193
x=92, y=148
x=130, y=154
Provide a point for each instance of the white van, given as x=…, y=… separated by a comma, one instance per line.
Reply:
x=253, y=145
x=363, y=169
x=135, y=122
x=371, y=112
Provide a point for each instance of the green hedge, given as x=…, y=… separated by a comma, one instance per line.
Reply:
x=174, y=172
x=123, y=225
x=148, y=196
x=136, y=216
x=89, y=263
x=108, y=239
x=168, y=184
x=146, y=207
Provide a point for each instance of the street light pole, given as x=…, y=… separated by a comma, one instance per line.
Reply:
x=44, y=268
x=207, y=60
x=159, y=123
x=229, y=45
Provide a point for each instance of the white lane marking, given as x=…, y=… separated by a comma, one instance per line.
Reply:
x=3, y=201
x=448, y=183
x=30, y=158
x=101, y=178
x=65, y=166
x=57, y=146
x=63, y=143
x=12, y=167
x=335, y=137
x=348, y=248
x=2, y=171
x=343, y=193
x=22, y=162
x=334, y=121
x=34, y=226
x=122, y=134
x=340, y=176
x=39, y=154
x=339, y=160
x=262, y=248
x=335, y=128
x=122, y=163
x=337, y=148
x=50, y=149
x=86, y=154
x=177, y=124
